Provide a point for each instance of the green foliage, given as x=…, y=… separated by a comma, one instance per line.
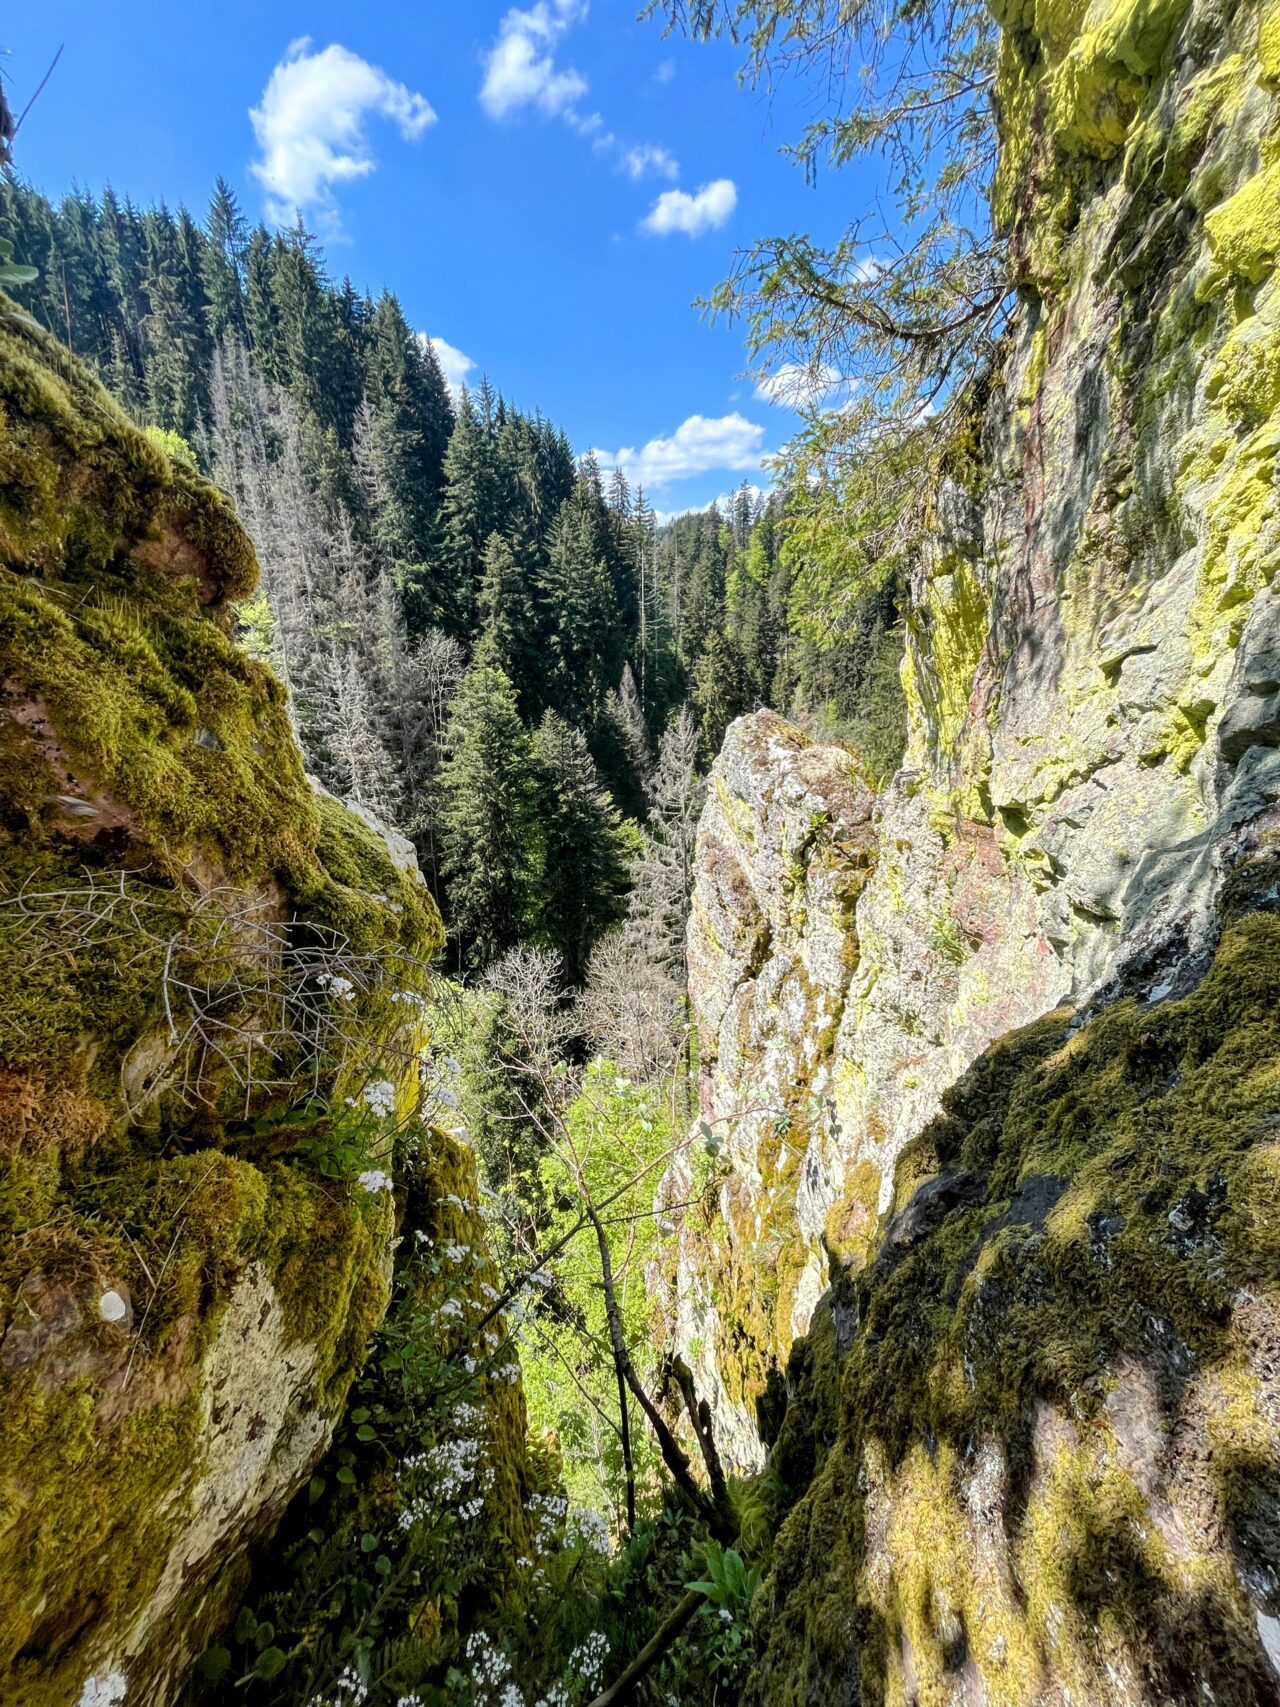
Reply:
x=616, y=1140
x=586, y=851
x=486, y=802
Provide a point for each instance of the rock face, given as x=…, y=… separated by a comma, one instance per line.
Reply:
x=184, y=1297
x=1091, y=671
x=989, y=1062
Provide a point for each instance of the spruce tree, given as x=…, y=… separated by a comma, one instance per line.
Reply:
x=580, y=613
x=223, y=264
x=486, y=807
x=508, y=638
x=586, y=850
x=410, y=420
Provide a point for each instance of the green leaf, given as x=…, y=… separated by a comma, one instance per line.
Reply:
x=366, y=1432
x=368, y=1542
x=213, y=1665
x=246, y=1624
x=360, y=1416
x=347, y=1476
x=270, y=1663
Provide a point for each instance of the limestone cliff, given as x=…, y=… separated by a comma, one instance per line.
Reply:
x=988, y=1061
x=201, y=961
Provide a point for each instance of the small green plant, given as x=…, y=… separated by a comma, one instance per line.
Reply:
x=948, y=939
x=730, y=1586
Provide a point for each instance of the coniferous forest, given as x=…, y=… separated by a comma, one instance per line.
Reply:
x=412, y=540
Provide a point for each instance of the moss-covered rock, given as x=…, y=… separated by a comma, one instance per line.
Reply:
x=1091, y=670
x=189, y=1277
x=1033, y=1449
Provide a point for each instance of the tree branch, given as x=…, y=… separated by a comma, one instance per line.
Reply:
x=657, y=1645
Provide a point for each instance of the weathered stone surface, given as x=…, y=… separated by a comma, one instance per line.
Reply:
x=184, y=1298
x=1092, y=646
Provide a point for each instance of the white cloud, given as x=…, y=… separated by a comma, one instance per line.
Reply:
x=677, y=210
x=520, y=68
x=697, y=446
x=798, y=385
x=665, y=72
x=650, y=160
x=310, y=124
x=456, y=368
x=724, y=503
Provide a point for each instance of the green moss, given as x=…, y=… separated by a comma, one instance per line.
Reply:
x=950, y=629
x=1129, y=1175
x=143, y=754
x=1244, y=230
x=1269, y=47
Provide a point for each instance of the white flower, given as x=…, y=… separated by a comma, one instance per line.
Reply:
x=380, y=1096
x=373, y=1179
x=451, y=1310
x=342, y=988
x=112, y=1307
x=446, y=1099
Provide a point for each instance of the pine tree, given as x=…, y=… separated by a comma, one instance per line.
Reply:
x=585, y=848
x=508, y=634
x=446, y=594
x=223, y=264
x=408, y=423
x=580, y=613
x=261, y=316
x=486, y=803
x=717, y=691
x=175, y=377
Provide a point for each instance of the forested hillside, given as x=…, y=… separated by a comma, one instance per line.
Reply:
x=410, y=538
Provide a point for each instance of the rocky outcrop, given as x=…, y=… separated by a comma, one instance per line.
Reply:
x=1032, y=1452
x=200, y=960
x=1091, y=675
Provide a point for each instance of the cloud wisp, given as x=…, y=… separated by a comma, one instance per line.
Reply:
x=520, y=68
x=677, y=210
x=456, y=367
x=650, y=161
x=799, y=385
x=698, y=445
x=311, y=126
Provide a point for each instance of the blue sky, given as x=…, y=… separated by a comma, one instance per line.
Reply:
x=547, y=188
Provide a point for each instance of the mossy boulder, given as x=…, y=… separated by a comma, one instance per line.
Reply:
x=1033, y=1449
x=187, y=1285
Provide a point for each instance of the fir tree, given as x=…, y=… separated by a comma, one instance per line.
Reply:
x=409, y=421
x=508, y=635
x=585, y=848
x=222, y=264
x=485, y=796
